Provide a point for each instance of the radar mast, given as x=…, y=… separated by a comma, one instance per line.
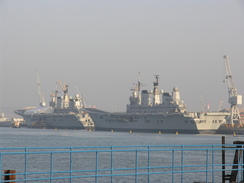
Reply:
x=40, y=91
x=156, y=92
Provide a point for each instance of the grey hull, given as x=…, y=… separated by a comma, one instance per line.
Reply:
x=230, y=130
x=175, y=131
x=58, y=121
x=202, y=123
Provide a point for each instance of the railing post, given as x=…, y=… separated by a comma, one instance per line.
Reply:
x=242, y=162
x=111, y=163
x=212, y=164
x=136, y=167
x=96, y=177
x=26, y=164
x=10, y=177
x=70, y=165
x=148, y=163
x=173, y=164
x=1, y=166
x=51, y=167
x=223, y=159
x=207, y=165
x=236, y=161
x=182, y=163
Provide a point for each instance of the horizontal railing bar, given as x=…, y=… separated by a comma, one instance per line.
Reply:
x=126, y=169
x=99, y=147
x=119, y=150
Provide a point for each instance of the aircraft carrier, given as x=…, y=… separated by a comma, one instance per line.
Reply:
x=63, y=112
x=158, y=111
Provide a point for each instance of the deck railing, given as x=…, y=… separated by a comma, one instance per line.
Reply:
x=103, y=164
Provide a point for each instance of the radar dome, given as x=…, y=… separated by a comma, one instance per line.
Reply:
x=176, y=89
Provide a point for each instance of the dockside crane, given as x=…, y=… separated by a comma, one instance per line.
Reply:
x=234, y=99
x=40, y=91
x=64, y=87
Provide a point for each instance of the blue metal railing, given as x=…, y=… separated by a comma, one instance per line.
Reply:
x=157, y=163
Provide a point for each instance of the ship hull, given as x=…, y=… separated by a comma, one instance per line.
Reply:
x=176, y=131
x=5, y=123
x=192, y=123
x=57, y=120
x=227, y=129
x=63, y=121
x=54, y=121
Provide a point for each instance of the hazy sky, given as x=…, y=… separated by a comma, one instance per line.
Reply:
x=100, y=46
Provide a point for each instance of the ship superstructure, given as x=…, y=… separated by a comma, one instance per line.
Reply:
x=155, y=101
x=158, y=111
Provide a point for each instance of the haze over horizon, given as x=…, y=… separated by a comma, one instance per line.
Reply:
x=101, y=46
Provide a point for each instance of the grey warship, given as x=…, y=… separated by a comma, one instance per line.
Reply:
x=157, y=111
x=63, y=112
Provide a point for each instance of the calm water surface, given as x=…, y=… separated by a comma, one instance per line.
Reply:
x=27, y=137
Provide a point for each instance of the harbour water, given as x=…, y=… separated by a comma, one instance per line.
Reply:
x=27, y=137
